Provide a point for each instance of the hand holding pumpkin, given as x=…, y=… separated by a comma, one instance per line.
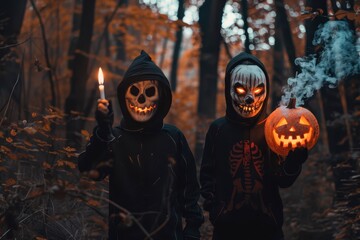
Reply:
x=298, y=155
x=294, y=159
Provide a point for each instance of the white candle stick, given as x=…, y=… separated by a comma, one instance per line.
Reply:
x=101, y=83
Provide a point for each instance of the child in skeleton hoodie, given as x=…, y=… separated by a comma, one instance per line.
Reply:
x=152, y=171
x=239, y=175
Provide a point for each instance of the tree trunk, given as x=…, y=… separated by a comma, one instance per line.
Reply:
x=210, y=18
x=312, y=25
x=244, y=13
x=76, y=20
x=50, y=73
x=177, y=47
x=278, y=78
x=76, y=99
x=120, y=43
x=283, y=37
x=317, y=104
x=120, y=56
x=281, y=15
x=11, y=17
x=346, y=85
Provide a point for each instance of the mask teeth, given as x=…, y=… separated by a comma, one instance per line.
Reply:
x=142, y=110
x=248, y=109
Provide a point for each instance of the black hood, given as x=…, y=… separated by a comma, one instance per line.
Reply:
x=231, y=114
x=143, y=68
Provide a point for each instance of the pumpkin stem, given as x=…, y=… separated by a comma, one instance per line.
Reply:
x=292, y=103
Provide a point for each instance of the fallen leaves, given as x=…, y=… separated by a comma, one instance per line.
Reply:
x=65, y=163
x=10, y=182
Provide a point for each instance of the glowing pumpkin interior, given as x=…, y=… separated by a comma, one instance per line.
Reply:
x=289, y=127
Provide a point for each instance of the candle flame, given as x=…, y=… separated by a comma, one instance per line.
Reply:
x=101, y=76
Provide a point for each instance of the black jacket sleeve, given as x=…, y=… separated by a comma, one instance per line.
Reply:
x=190, y=193
x=96, y=157
x=207, y=169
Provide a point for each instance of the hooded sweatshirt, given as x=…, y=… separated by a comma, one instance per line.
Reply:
x=152, y=173
x=240, y=176
x=143, y=68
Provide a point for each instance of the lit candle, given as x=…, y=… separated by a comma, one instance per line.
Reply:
x=101, y=84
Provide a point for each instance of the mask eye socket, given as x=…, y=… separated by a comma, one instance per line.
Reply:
x=259, y=90
x=149, y=92
x=239, y=89
x=134, y=91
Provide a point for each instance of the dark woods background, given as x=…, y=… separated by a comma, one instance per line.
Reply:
x=50, y=53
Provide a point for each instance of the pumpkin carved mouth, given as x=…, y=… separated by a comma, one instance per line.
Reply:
x=292, y=140
x=142, y=110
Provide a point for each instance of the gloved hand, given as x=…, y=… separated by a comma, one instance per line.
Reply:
x=104, y=116
x=294, y=159
x=191, y=232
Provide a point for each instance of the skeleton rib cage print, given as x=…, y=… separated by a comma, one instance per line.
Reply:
x=246, y=165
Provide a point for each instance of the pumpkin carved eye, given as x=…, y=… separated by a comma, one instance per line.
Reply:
x=303, y=121
x=282, y=122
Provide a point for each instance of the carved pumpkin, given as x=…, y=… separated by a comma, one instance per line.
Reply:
x=289, y=127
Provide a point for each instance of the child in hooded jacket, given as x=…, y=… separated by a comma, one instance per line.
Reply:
x=152, y=173
x=240, y=176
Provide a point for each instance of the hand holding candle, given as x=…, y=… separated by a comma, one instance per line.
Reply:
x=101, y=84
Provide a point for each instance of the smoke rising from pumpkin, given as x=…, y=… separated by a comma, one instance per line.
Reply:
x=338, y=60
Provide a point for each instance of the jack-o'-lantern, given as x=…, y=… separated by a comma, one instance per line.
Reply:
x=289, y=127
x=142, y=100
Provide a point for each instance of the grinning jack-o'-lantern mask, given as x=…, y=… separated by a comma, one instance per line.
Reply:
x=248, y=90
x=142, y=100
x=290, y=127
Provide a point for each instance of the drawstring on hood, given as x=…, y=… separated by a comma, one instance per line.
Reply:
x=143, y=68
x=231, y=114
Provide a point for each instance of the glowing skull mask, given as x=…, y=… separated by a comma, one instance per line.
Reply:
x=248, y=90
x=142, y=100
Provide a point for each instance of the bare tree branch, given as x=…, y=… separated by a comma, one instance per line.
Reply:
x=15, y=44
x=52, y=77
x=12, y=91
